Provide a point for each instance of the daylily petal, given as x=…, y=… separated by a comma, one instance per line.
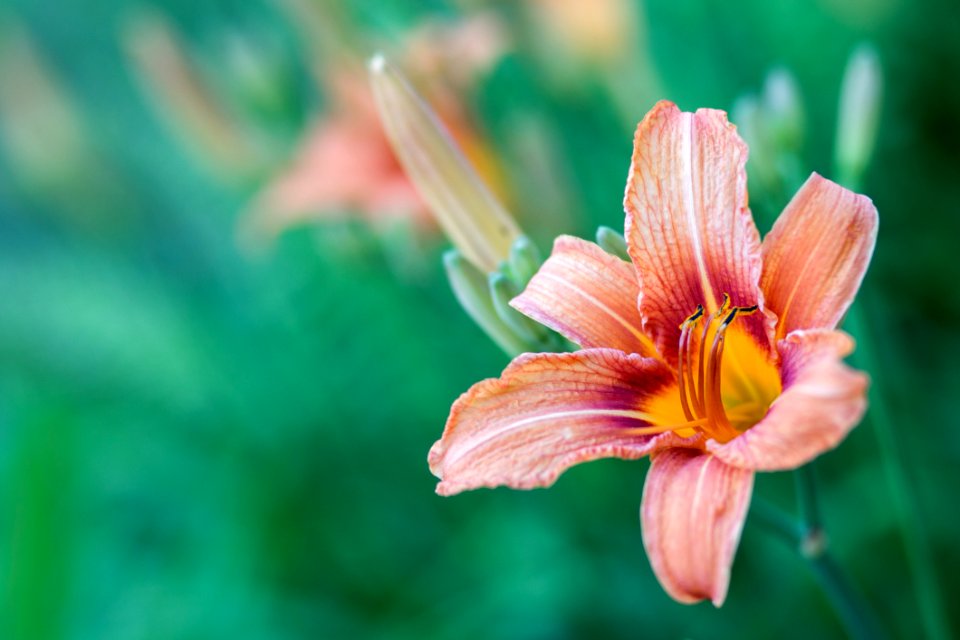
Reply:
x=823, y=399
x=815, y=256
x=588, y=296
x=692, y=514
x=688, y=228
x=547, y=412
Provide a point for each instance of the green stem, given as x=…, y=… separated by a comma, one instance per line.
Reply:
x=850, y=605
x=919, y=558
x=914, y=539
x=806, y=481
x=811, y=545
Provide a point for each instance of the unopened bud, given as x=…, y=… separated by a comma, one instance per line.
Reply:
x=783, y=110
x=472, y=291
x=502, y=291
x=748, y=116
x=613, y=243
x=524, y=262
x=470, y=215
x=860, y=99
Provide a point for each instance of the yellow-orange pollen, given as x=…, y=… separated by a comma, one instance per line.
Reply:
x=700, y=389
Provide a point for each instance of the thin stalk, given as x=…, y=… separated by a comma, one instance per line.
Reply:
x=809, y=503
x=850, y=605
x=919, y=558
x=915, y=544
x=810, y=544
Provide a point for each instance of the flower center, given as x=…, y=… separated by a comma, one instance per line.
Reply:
x=723, y=408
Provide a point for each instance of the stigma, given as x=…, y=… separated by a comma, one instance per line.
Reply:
x=699, y=358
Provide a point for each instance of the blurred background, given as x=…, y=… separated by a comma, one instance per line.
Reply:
x=227, y=342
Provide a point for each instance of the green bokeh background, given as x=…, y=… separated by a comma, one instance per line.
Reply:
x=200, y=441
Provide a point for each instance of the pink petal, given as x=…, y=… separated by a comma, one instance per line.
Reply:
x=547, y=412
x=692, y=514
x=823, y=399
x=815, y=256
x=588, y=296
x=688, y=228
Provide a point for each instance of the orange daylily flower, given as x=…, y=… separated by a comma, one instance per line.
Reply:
x=714, y=353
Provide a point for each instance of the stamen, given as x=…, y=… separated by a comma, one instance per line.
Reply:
x=725, y=304
x=681, y=377
x=726, y=321
x=702, y=401
x=695, y=400
x=741, y=379
x=703, y=345
x=693, y=317
x=714, y=403
x=684, y=363
x=701, y=362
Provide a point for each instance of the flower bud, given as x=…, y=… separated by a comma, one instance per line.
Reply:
x=468, y=212
x=502, y=291
x=524, y=262
x=613, y=243
x=472, y=290
x=783, y=110
x=860, y=99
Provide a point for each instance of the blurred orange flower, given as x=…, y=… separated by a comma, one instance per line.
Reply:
x=599, y=30
x=344, y=164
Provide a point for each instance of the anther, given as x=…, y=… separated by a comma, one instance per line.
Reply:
x=725, y=304
x=744, y=311
x=693, y=317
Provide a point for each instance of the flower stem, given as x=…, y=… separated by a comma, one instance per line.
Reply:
x=806, y=479
x=914, y=538
x=919, y=557
x=850, y=605
x=811, y=543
